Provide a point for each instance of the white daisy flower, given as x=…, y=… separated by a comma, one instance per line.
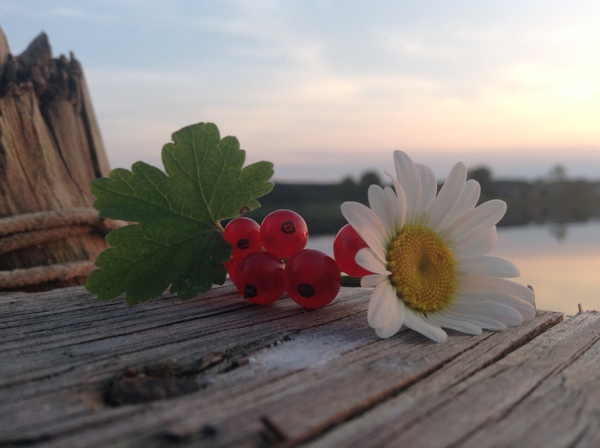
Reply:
x=428, y=256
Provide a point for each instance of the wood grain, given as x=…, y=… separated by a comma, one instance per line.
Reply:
x=543, y=394
x=50, y=150
x=276, y=375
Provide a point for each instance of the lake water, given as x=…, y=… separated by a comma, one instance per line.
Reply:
x=561, y=263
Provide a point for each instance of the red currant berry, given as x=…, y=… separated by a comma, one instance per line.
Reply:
x=231, y=266
x=283, y=233
x=346, y=245
x=259, y=278
x=244, y=235
x=312, y=278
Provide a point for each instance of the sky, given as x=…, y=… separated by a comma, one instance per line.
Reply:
x=326, y=89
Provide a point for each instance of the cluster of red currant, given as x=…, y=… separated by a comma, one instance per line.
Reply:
x=270, y=259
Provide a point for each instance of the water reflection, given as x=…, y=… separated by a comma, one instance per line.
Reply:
x=562, y=263
x=558, y=230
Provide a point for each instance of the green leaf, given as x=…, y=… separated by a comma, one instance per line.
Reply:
x=176, y=239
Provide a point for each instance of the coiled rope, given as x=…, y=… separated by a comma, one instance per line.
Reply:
x=32, y=229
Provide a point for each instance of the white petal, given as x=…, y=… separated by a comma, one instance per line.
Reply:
x=381, y=304
x=466, y=202
x=448, y=195
x=525, y=309
x=484, y=283
x=479, y=246
x=454, y=324
x=394, y=324
x=484, y=322
x=386, y=313
x=367, y=259
x=385, y=320
x=408, y=177
x=389, y=330
x=368, y=281
x=379, y=204
x=417, y=322
x=367, y=224
x=497, y=311
x=428, y=188
x=399, y=215
x=374, y=243
x=486, y=265
x=401, y=200
x=475, y=222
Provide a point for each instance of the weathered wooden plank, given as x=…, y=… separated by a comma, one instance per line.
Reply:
x=71, y=343
x=546, y=393
x=81, y=328
x=277, y=371
x=50, y=151
x=406, y=364
x=564, y=407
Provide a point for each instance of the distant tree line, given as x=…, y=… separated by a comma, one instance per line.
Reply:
x=554, y=199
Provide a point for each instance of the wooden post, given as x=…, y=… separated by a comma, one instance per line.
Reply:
x=50, y=151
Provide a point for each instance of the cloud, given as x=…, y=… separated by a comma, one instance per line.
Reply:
x=64, y=11
x=298, y=80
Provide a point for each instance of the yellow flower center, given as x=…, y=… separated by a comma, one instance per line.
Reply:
x=423, y=269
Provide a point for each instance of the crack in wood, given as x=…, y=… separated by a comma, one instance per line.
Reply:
x=239, y=356
x=158, y=382
x=272, y=433
x=165, y=381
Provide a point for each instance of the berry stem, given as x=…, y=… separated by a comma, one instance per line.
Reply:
x=352, y=282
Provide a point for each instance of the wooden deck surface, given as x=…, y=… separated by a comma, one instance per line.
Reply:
x=215, y=371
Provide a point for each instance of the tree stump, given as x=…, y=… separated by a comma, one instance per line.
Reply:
x=50, y=151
